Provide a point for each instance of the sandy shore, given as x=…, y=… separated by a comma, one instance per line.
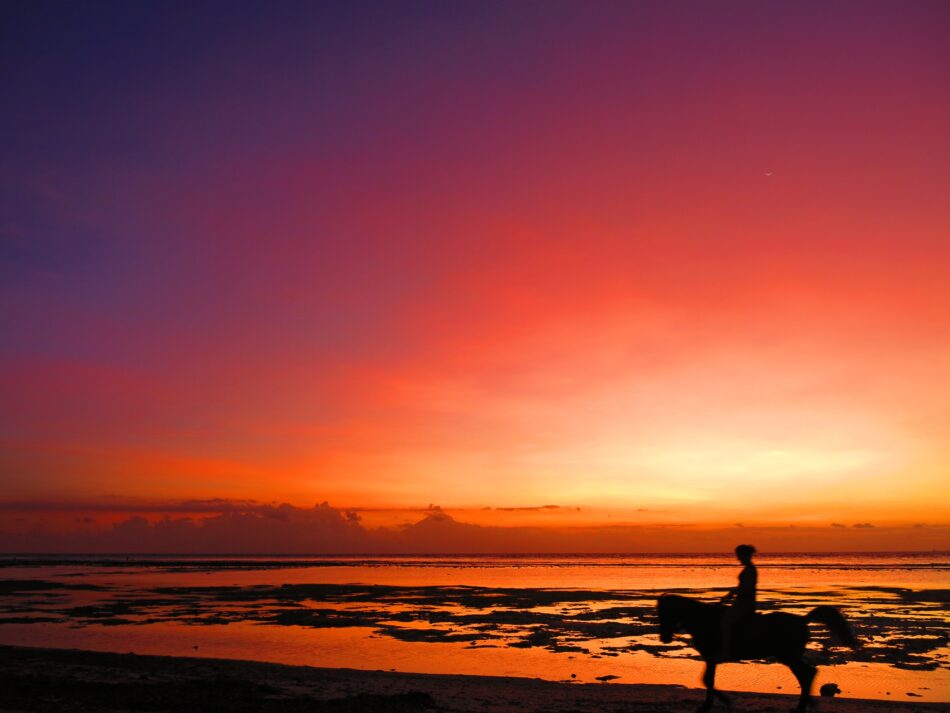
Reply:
x=33, y=679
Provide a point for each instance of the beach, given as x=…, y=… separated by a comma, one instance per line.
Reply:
x=569, y=620
x=36, y=679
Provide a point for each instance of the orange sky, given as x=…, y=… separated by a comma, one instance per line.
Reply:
x=655, y=268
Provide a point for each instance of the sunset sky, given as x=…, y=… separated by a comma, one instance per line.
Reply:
x=668, y=266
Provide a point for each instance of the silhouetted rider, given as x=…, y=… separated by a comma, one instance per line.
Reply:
x=742, y=599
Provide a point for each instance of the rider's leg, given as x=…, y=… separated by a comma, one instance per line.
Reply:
x=728, y=623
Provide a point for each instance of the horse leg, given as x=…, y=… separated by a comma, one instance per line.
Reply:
x=709, y=679
x=805, y=673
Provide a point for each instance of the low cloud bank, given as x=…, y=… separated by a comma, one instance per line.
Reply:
x=323, y=529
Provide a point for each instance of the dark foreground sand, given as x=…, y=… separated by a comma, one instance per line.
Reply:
x=61, y=680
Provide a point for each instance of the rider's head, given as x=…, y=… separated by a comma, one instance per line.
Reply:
x=744, y=553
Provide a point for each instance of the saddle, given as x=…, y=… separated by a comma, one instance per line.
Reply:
x=745, y=637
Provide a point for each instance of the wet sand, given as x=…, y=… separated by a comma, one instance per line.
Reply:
x=902, y=628
x=61, y=680
x=442, y=618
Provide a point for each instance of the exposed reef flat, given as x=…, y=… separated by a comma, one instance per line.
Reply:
x=902, y=628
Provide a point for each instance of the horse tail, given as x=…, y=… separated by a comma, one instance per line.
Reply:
x=835, y=621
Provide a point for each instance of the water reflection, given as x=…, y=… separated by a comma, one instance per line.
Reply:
x=502, y=617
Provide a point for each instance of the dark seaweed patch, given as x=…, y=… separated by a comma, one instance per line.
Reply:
x=898, y=624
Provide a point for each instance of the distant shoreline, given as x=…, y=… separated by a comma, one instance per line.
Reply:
x=817, y=560
x=40, y=680
x=466, y=555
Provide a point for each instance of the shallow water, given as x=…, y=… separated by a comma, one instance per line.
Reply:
x=547, y=617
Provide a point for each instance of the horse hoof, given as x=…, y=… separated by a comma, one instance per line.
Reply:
x=724, y=699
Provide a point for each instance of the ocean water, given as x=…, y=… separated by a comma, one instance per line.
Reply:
x=575, y=618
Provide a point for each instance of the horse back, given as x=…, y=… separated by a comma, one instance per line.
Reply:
x=774, y=634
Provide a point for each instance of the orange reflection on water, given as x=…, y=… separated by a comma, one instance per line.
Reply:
x=532, y=617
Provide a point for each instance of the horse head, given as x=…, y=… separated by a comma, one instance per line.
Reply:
x=669, y=622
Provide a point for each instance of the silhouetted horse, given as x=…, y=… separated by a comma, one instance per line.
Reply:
x=778, y=636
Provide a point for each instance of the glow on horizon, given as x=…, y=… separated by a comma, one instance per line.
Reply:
x=661, y=266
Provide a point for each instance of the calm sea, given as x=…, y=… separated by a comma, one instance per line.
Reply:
x=575, y=618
